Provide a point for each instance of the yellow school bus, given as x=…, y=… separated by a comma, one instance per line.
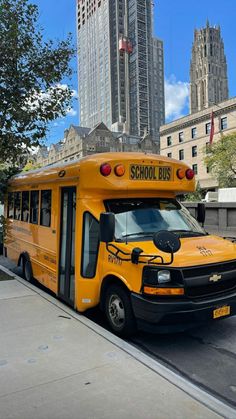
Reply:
x=108, y=230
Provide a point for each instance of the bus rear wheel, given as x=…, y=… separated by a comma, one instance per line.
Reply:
x=27, y=270
x=119, y=311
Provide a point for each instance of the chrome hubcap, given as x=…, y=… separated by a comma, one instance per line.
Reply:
x=116, y=311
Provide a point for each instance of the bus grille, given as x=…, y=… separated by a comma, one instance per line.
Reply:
x=197, y=279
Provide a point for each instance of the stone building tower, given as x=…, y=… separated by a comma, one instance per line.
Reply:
x=208, y=73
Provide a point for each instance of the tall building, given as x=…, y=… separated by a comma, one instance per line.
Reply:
x=121, y=75
x=208, y=74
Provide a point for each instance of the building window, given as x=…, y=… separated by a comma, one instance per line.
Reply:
x=194, y=151
x=181, y=137
x=223, y=123
x=195, y=168
x=208, y=128
x=169, y=155
x=169, y=140
x=194, y=132
x=181, y=154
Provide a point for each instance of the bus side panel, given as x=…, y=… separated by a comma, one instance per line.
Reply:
x=39, y=242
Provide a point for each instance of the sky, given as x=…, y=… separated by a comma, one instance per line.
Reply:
x=174, y=23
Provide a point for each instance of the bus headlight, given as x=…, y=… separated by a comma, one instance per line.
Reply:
x=163, y=277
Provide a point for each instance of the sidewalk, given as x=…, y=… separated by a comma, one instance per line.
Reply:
x=56, y=364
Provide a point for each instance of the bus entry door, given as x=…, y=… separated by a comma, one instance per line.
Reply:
x=67, y=245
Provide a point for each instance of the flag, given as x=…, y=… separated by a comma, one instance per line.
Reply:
x=212, y=132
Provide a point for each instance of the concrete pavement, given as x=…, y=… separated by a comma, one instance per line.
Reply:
x=54, y=363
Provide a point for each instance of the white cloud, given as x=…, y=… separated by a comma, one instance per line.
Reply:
x=71, y=112
x=176, y=98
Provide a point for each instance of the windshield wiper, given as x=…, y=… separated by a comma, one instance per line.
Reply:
x=192, y=232
x=140, y=233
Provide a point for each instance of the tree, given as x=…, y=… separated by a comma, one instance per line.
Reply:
x=31, y=74
x=221, y=160
x=196, y=196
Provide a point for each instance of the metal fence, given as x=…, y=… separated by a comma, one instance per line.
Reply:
x=220, y=217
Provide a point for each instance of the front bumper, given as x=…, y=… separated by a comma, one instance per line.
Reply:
x=170, y=316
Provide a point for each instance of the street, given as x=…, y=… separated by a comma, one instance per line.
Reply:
x=206, y=356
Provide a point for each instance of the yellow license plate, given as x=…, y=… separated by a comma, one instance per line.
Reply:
x=221, y=312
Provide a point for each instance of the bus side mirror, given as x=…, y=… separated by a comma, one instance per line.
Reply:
x=201, y=213
x=107, y=227
x=166, y=241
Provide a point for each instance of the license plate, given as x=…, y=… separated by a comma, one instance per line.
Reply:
x=221, y=312
x=143, y=172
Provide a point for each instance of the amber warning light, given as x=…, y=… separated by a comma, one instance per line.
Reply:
x=105, y=169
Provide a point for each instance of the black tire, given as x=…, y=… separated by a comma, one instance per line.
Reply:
x=27, y=270
x=119, y=311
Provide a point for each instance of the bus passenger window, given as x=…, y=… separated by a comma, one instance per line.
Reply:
x=10, y=207
x=25, y=207
x=17, y=205
x=90, y=246
x=45, y=213
x=34, y=207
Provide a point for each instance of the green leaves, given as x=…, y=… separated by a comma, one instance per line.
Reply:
x=221, y=160
x=31, y=74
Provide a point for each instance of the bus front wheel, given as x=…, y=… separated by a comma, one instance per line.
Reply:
x=119, y=312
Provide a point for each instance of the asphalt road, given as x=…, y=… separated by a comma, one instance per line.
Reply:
x=205, y=356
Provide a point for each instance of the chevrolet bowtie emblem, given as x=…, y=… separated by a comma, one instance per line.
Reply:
x=215, y=278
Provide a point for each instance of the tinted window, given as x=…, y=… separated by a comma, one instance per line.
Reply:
x=10, y=208
x=34, y=207
x=17, y=205
x=90, y=246
x=25, y=207
x=45, y=212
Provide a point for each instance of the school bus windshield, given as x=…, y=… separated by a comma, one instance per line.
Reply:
x=138, y=219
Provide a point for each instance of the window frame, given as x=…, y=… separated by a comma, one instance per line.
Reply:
x=82, y=247
x=19, y=193
x=8, y=205
x=169, y=140
x=182, y=152
x=222, y=121
x=194, y=151
x=40, y=208
x=208, y=128
x=181, y=136
x=22, y=202
x=30, y=218
x=194, y=132
x=195, y=165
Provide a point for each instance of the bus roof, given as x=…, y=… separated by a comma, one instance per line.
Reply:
x=142, y=171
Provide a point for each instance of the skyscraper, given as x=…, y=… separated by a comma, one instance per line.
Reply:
x=121, y=80
x=208, y=74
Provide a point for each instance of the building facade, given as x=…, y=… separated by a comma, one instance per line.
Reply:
x=79, y=142
x=120, y=66
x=208, y=72
x=187, y=138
